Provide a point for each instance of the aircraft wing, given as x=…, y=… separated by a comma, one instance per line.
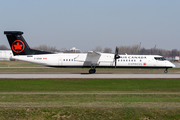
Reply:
x=93, y=53
x=92, y=56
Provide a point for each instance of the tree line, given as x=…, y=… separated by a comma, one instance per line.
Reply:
x=134, y=50
x=138, y=50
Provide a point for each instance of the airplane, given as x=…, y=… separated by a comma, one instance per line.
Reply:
x=91, y=59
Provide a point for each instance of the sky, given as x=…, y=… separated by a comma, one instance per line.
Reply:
x=85, y=24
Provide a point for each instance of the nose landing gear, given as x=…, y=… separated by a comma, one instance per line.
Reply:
x=166, y=71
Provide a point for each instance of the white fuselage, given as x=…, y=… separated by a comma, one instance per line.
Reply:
x=103, y=60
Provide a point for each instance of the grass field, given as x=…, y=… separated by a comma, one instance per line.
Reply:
x=90, y=107
x=4, y=63
x=94, y=106
x=90, y=85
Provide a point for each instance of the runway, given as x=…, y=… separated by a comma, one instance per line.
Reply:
x=84, y=75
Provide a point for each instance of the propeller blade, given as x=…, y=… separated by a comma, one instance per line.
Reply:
x=116, y=51
x=116, y=56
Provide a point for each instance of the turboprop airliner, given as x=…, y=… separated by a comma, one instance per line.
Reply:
x=91, y=59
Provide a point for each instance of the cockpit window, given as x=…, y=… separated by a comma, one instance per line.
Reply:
x=159, y=58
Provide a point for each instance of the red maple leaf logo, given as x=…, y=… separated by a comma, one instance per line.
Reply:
x=17, y=46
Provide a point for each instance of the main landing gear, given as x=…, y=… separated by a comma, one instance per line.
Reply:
x=92, y=70
x=166, y=71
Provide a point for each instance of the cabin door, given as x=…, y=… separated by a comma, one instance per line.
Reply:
x=60, y=61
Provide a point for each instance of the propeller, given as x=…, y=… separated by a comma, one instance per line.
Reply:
x=116, y=56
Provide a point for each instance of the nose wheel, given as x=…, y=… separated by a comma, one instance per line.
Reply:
x=166, y=71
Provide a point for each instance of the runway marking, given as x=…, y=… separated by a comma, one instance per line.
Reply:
x=14, y=93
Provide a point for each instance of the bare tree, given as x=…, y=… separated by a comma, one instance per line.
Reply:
x=107, y=50
x=98, y=49
x=144, y=51
x=136, y=49
x=46, y=48
x=63, y=49
x=175, y=52
x=3, y=47
x=122, y=49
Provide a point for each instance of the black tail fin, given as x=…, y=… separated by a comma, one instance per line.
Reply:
x=19, y=46
x=17, y=43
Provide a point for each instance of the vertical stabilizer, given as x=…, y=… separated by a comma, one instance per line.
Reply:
x=17, y=43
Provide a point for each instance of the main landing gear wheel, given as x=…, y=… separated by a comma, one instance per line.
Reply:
x=166, y=71
x=91, y=71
